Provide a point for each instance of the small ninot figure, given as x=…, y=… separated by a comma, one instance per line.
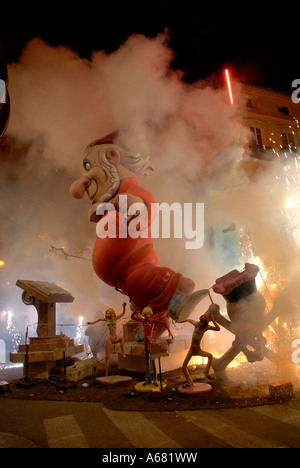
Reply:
x=112, y=338
x=201, y=327
x=149, y=321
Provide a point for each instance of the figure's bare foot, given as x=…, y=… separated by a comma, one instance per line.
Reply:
x=184, y=300
x=186, y=285
x=188, y=304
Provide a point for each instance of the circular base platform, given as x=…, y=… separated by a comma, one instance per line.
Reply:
x=140, y=387
x=195, y=389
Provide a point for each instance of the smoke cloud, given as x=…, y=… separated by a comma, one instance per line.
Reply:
x=193, y=135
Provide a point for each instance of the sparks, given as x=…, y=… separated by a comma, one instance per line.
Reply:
x=12, y=330
x=80, y=330
x=2, y=263
x=229, y=86
x=290, y=203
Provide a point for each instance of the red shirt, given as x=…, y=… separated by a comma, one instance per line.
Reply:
x=109, y=253
x=148, y=326
x=131, y=264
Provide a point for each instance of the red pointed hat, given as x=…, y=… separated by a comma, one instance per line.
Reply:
x=110, y=138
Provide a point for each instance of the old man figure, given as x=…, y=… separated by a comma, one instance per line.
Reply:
x=129, y=263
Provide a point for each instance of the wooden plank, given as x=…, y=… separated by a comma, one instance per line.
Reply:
x=45, y=291
x=40, y=356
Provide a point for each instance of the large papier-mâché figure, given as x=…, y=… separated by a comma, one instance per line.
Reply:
x=125, y=262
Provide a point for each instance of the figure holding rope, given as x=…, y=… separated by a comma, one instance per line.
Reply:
x=195, y=350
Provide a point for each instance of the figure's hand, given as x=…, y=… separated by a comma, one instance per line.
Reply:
x=181, y=321
x=122, y=204
x=137, y=315
x=213, y=310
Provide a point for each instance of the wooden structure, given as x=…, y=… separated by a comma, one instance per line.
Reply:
x=43, y=352
x=281, y=391
x=174, y=350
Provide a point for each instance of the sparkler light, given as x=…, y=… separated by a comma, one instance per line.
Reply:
x=290, y=203
x=13, y=331
x=2, y=263
x=80, y=330
x=288, y=180
x=229, y=85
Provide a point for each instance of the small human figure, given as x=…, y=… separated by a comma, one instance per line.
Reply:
x=201, y=327
x=149, y=321
x=111, y=320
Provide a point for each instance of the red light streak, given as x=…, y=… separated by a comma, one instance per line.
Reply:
x=229, y=86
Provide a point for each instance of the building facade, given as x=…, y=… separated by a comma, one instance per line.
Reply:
x=273, y=119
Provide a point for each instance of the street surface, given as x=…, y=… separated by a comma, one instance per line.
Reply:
x=55, y=424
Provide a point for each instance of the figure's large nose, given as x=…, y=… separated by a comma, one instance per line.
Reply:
x=78, y=188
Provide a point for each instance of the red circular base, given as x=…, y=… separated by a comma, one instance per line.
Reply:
x=195, y=389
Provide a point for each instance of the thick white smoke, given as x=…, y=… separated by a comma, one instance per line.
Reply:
x=60, y=102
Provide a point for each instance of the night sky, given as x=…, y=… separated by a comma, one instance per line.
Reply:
x=255, y=39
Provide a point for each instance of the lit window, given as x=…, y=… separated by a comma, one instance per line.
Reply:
x=288, y=140
x=256, y=136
